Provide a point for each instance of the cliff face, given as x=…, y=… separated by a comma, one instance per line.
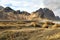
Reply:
x=10, y=14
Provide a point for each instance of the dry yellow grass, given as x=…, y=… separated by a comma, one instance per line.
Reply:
x=45, y=26
x=31, y=34
x=56, y=26
x=54, y=36
x=29, y=31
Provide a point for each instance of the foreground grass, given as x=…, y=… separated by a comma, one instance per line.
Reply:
x=29, y=31
x=31, y=34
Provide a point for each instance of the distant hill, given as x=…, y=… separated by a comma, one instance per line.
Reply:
x=10, y=14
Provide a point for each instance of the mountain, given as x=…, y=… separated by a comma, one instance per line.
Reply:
x=45, y=13
x=8, y=9
x=10, y=14
x=57, y=17
x=42, y=13
x=1, y=7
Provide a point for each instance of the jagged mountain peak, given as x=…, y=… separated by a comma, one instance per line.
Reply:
x=8, y=9
x=9, y=13
x=45, y=13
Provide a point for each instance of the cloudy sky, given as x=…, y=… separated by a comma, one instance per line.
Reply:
x=32, y=5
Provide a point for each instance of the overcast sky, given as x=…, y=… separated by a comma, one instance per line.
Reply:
x=32, y=5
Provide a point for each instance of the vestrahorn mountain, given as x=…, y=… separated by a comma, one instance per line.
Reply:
x=42, y=13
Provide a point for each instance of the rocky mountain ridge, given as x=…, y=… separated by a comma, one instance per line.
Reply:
x=10, y=14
